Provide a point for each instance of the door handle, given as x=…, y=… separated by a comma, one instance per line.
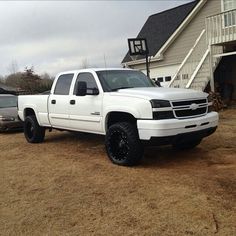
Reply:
x=53, y=101
x=72, y=102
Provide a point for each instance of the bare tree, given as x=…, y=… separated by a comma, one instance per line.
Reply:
x=13, y=67
x=14, y=80
x=2, y=80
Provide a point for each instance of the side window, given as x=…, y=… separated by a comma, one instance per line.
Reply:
x=160, y=79
x=63, y=84
x=89, y=79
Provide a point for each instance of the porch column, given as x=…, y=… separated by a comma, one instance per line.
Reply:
x=212, y=83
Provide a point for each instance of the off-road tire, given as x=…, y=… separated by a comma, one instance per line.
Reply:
x=186, y=145
x=33, y=132
x=123, y=145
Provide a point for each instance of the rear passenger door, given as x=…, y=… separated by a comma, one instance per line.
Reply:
x=58, y=104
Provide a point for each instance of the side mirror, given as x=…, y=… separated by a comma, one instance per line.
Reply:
x=81, y=88
x=95, y=91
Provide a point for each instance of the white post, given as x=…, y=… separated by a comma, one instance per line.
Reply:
x=212, y=84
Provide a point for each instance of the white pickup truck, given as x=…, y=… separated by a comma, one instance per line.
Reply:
x=122, y=104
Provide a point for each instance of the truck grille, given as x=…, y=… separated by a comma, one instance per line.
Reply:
x=189, y=108
x=188, y=103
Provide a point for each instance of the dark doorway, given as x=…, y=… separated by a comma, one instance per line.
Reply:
x=225, y=79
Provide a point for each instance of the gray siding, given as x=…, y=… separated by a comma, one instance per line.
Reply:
x=181, y=46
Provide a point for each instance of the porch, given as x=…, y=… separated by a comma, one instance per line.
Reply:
x=215, y=42
x=221, y=28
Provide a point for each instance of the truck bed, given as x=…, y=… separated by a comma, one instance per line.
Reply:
x=39, y=103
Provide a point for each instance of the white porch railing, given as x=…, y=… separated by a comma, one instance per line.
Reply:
x=221, y=28
x=190, y=63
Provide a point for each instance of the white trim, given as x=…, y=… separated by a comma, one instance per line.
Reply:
x=142, y=61
x=187, y=57
x=180, y=28
x=160, y=66
x=222, y=5
x=225, y=54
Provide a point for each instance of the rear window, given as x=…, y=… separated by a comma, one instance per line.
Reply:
x=63, y=84
x=8, y=101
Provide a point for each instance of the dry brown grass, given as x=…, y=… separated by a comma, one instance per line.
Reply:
x=67, y=186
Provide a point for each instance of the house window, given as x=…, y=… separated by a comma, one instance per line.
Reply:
x=229, y=5
x=229, y=16
x=164, y=79
x=168, y=78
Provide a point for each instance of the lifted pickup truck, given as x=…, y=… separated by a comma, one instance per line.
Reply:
x=122, y=104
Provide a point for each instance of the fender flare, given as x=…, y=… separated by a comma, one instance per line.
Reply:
x=109, y=110
x=35, y=112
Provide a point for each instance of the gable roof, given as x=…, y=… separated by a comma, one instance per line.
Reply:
x=159, y=27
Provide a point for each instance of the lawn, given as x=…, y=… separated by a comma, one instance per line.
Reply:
x=68, y=186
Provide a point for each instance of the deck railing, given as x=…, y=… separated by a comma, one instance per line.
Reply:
x=221, y=28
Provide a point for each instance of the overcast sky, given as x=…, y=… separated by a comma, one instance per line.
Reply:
x=54, y=36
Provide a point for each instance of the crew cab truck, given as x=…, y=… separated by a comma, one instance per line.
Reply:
x=125, y=106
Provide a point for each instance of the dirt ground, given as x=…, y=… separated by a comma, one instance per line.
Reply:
x=67, y=186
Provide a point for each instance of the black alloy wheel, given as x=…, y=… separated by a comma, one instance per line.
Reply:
x=33, y=132
x=123, y=145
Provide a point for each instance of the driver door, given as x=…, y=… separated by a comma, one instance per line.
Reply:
x=85, y=112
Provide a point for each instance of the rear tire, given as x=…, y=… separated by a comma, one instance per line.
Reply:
x=186, y=145
x=33, y=132
x=123, y=145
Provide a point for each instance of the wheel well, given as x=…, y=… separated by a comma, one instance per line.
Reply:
x=114, y=117
x=29, y=112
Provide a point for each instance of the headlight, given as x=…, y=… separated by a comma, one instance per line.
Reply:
x=210, y=103
x=7, y=118
x=209, y=99
x=160, y=103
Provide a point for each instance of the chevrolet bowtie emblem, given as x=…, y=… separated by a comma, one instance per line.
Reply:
x=194, y=106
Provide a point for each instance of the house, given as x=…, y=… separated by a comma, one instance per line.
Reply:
x=192, y=46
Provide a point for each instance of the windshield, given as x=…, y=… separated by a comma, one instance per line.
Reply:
x=8, y=101
x=112, y=80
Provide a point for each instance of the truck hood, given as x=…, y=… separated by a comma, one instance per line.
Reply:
x=161, y=93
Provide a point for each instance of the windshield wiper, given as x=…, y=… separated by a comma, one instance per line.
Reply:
x=115, y=89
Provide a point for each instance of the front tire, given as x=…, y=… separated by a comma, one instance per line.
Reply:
x=123, y=145
x=33, y=132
